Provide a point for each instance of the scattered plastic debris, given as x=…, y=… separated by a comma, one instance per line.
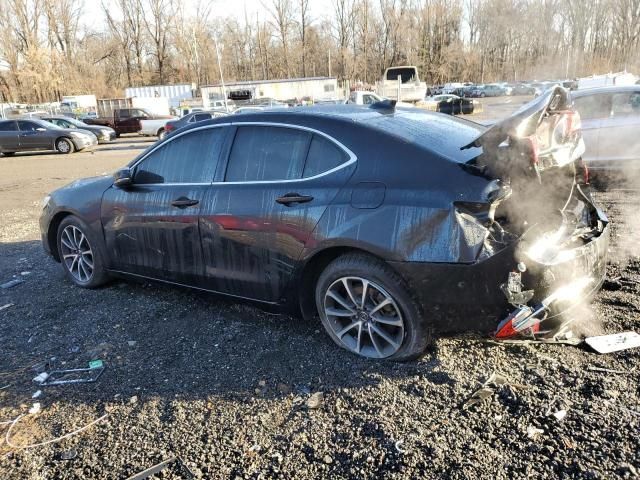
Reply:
x=315, y=401
x=533, y=432
x=36, y=394
x=560, y=414
x=74, y=375
x=11, y=283
x=36, y=408
x=399, y=449
x=131, y=343
x=183, y=470
x=614, y=343
x=24, y=274
x=41, y=377
x=486, y=390
x=69, y=454
x=609, y=370
x=4, y=307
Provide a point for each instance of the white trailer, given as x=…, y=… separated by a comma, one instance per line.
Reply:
x=402, y=84
x=608, y=79
x=79, y=102
x=315, y=88
x=176, y=94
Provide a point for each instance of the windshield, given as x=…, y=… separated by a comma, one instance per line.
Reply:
x=44, y=123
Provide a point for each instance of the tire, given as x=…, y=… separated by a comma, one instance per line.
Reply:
x=65, y=146
x=162, y=134
x=403, y=322
x=73, y=237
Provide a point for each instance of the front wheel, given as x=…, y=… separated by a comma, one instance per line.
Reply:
x=64, y=145
x=81, y=258
x=367, y=309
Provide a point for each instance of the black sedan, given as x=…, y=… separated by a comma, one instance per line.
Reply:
x=189, y=119
x=389, y=224
x=103, y=134
x=34, y=134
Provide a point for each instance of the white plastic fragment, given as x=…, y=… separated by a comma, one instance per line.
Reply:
x=35, y=408
x=41, y=377
x=398, y=446
x=37, y=394
x=614, y=343
x=533, y=432
x=560, y=414
x=4, y=307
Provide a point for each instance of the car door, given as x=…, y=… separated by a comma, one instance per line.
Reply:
x=260, y=215
x=34, y=136
x=618, y=142
x=151, y=228
x=594, y=110
x=9, y=136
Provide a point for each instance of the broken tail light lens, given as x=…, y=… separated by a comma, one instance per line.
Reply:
x=574, y=122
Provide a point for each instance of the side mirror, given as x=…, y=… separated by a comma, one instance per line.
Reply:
x=123, y=178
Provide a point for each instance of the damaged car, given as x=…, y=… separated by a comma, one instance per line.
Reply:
x=388, y=224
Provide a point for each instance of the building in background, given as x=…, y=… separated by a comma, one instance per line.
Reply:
x=314, y=88
x=176, y=94
x=608, y=79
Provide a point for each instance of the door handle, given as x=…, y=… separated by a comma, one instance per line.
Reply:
x=291, y=198
x=184, y=202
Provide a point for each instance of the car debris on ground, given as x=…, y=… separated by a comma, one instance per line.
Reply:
x=614, y=343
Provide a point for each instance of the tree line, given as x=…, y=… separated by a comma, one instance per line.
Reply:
x=146, y=42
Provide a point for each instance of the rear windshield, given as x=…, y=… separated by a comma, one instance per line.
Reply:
x=406, y=74
x=441, y=134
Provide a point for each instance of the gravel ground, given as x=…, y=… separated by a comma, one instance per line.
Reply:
x=235, y=392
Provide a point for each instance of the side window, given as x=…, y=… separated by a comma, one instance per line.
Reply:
x=625, y=104
x=323, y=156
x=368, y=99
x=353, y=97
x=267, y=153
x=190, y=158
x=593, y=106
x=199, y=117
x=27, y=126
x=8, y=127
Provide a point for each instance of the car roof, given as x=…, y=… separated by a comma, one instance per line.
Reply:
x=607, y=89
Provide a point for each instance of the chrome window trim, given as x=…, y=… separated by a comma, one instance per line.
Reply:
x=351, y=161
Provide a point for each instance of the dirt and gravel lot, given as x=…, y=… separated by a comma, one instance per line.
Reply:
x=234, y=391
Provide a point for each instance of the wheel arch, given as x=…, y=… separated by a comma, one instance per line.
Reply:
x=159, y=131
x=313, y=268
x=52, y=232
x=66, y=137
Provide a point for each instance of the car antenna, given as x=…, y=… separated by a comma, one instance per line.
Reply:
x=385, y=104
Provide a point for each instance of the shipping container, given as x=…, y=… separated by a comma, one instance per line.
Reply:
x=174, y=93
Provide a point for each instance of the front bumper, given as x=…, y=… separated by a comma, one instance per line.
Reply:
x=82, y=143
x=107, y=138
x=468, y=297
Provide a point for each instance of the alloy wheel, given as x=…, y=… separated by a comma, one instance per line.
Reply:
x=63, y=146
x=364, y=317
x=76, y=253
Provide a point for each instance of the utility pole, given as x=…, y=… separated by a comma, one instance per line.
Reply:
x=224, y=90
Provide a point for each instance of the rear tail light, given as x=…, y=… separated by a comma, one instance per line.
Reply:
x=168, y=127
x=532, y=143
x=574, y=122
x=585, y=172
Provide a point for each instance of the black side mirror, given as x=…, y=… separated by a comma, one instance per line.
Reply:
x=123, y=178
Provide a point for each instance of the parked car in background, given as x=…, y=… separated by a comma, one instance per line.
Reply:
x=155, y=127
x=219, y=105
x=449, y=104
x=103, y=134
x=191, y=118
x=128, y=120
x=388, y=224
x=523, y=89
x=493, y=90
x=364, y=97
x=610, y=127
x=24, y=135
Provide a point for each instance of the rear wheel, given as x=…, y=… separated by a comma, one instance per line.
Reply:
x=162, y=134
x=367, y=308
x=81, y=258
x=64, y=145
x=8, y=154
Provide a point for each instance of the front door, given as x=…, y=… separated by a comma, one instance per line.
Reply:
x=259, y=217
x=593, y=110
x=151, y=228
x=34, y=136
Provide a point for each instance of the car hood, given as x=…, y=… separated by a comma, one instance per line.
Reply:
x=82, y=188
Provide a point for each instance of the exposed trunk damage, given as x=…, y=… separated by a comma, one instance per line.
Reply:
x=544, y=204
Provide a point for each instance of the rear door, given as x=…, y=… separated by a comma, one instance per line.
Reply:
x=594, y=111
x=256, y=220
x=9, y=136
x=152, y=227
x=618, y=140
x=34, y=136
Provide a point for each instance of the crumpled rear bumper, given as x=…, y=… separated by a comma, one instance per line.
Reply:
x=468, y=297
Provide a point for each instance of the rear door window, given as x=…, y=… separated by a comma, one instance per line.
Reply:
x=593, y=106
x=261, y=153
x=199, y=117
x=8, y=127
x=625, y=104
x=190, y=158
x=324, y=155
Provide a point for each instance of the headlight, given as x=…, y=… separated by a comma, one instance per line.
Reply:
x=80, y=135
x=45, y=200
x=104, y=132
